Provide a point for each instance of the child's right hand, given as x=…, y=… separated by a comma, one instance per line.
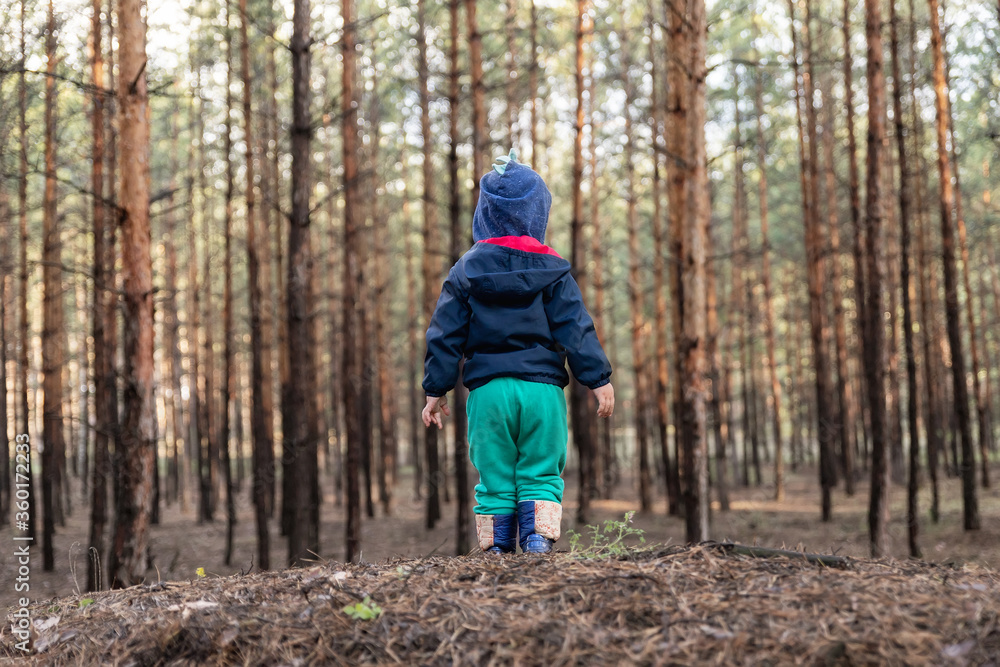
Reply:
x=432, y=411
x=605, y=400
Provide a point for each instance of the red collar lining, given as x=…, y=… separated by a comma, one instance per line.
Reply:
x=525, y=243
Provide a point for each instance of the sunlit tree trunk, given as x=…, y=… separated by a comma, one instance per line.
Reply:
x=136, y=446
x=52, y=314
x=299, y=410
x=970, y=504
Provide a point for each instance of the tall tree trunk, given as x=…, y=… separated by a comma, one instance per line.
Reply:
x=765, y=251
x=431, y=270
x=720, y=389
x=905, y=189
x=480, y=138
x=979, y=392
x=604, y=469
x=103, y=320
x=533, y=85
x=463, y=525
x=935, y=442
x=171, y=328
x=845, y=398
x=136, y=447
x=260, y=431
x=857, y=252
x=970, y=505
x=510, y=80
x=874, y=328
x=636, y=286
x=52, y=352
x=412, y=343
x=24, y=332
x=299, y=409
x=659, y=281
x=207, y=437
x=352, y=364
x=578, y=393
x=815, y=269
x=228, y=365
x=689, y=177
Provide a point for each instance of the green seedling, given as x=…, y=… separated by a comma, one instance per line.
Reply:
x=365, y=610
x=606, y=540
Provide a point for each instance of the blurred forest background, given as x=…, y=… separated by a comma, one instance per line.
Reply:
x=781, y=216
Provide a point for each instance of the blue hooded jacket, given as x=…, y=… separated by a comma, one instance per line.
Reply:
x=510, y=306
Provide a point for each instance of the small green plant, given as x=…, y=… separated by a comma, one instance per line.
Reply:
x=607, y=540
x=86, y=602
x=365, y=610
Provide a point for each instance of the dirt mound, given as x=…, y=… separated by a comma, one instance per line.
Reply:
x=686, y=605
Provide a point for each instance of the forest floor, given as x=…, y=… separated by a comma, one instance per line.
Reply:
x=669, y=604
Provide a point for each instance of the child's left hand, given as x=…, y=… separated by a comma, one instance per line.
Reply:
x=432, y=411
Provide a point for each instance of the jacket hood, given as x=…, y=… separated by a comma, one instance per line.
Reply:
x=498, y=273
x=515, y=203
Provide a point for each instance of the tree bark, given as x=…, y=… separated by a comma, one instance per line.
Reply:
x=662, y=374
x=228, y=369
x=905, y=200
x=351, y=365
x=857, y=253
x=845, y=398
x=970, y=504
x=24, y=326
x=463, y=523
x=636, y=286
x=299, y=409
x=52, y=315
x=928, y=326
x=259, y=429
x=815, y=267
x=579, y=418
x=103, y=320
x=533, y=85
x=431, y=268
x=688, y=31
x=479, y=134
x=136, y=446
x=874, y=328
x=765, y=250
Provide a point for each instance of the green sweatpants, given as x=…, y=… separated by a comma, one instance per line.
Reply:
x=517, y=442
